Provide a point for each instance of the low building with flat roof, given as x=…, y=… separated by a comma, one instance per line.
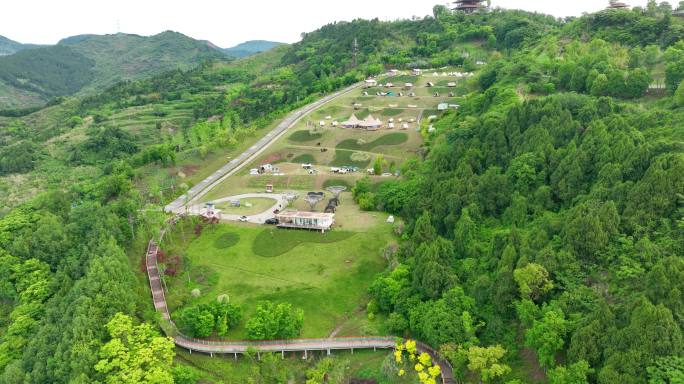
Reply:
x=306, y=220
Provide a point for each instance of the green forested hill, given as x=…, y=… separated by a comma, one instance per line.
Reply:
x=8, y=47
x=544, y=235
x=249, y=48
x=91, y=63
x=126, y=57
x=49, y=71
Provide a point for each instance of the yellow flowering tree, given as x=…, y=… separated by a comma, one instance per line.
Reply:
x=426, y=371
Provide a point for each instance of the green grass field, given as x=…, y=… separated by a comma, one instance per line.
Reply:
x=395, y=138
x=305, y=158
x=400, y=80
x=343, y=158
x=327, y=275
x=272, y=242
x=392, y=112
x=304, y=136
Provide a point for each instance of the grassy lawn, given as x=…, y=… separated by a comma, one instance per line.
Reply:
x=395, y=138
x=305, y=158
x=258, y=205
x=402, y=79
x=304, y=136
x=327, y=275
x=392, y=112
x=272, y=242
x=343, y=158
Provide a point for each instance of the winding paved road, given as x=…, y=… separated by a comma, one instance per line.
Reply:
x=204, y=186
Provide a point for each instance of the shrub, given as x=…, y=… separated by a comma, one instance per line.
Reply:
x=275, y=322
x=226, y=240
x=397, y=323
x=204, y=319
x=367, y=201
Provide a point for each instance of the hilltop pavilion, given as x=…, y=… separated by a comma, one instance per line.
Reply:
x=469, y=6
x=615, y=4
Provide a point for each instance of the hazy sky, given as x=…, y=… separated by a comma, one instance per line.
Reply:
x=225, y=22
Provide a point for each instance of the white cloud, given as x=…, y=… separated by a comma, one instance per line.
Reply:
x=225, y=23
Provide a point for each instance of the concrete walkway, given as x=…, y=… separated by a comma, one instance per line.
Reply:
x=204, y=186
x=279, y=202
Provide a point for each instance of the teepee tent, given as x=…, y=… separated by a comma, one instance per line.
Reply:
x=353, y=122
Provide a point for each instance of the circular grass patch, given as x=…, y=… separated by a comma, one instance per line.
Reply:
x=274, y=242
x=343, y=158
x=304, y=159
x=394, y=138
x=304, y=136
x=226, y=240
x=336, y=183
x=360, y=157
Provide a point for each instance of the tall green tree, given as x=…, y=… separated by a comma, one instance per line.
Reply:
x=533, y=281
x=486, y=362
x=547, y=336
x=135, y=354
x=573, y=374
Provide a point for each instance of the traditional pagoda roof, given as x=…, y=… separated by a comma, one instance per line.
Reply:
x=469, y=6
x=614, y=4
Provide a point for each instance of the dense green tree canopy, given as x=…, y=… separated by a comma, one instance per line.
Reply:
x=135, y=354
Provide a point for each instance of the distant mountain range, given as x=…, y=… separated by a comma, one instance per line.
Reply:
x=9, y=47
x=249, y=48
x=31, y=74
